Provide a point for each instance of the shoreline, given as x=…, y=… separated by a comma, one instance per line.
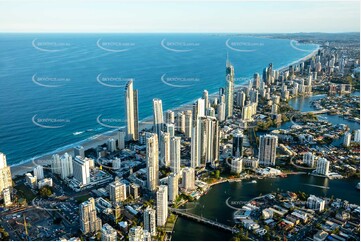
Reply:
x=93, y=141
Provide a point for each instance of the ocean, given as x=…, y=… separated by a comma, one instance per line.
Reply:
x=59, y=89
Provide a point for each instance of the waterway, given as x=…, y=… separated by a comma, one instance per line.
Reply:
x=215, y=205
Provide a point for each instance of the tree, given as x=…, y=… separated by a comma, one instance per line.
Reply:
x=45, y=191
x=217, y=174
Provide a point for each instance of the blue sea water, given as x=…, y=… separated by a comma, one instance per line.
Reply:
x=55, y=88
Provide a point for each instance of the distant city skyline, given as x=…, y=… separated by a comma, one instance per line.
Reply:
x=109, y=16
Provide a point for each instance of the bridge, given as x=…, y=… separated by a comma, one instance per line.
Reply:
x=317, y=111
x=203, y=220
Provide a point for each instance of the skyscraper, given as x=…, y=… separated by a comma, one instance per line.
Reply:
x=39, y=172
x=169, y=117
x=206, y=100
x=236, y=165
x=347, y=139
x=188, y=178
x=323, y=167
x=175, y=156
x=66, y=162
x=172, y=187
x=81, y=169
x=89, y=222
x=188, y=123
x=237, y=149
x=56, y=164
x=165, y=152
x=158, y=121
x=149, y=221
x=181, y=122
x=267, y=150
x=131, y=109
x=229, y=90
x=162, y=205
x=152, y=158
x=5, y=174
x=309, y=159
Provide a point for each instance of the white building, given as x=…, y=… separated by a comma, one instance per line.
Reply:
x=158, y=121
x=39, y=172
x=347, y=139
x=149, y=221
x=152, y=160
x=188, y=178
x=165, y=149
x=162, y=205
x=316, y=203
x=172, y=187
x=45, y=182
x=131, y=109
x=108, y=233
x=89, y=221
x=323, y=167
x=5, y=174
x=66, y=163
x=309, y=159
x=7, y=197
x=357, y=136
x=236, y=165
x=175, y=156
x=138, y=234
x=81, y=169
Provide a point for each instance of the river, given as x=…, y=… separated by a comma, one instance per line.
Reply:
x=215, y=205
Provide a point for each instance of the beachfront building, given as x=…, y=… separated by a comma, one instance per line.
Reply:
x=39, y=172
x=5, y=174
x=152, y=161
x=81, y=169
x=131, y=109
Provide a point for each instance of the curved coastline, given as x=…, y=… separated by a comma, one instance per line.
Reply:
x=27, y=165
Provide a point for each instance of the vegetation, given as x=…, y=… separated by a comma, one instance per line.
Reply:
x=45, y=191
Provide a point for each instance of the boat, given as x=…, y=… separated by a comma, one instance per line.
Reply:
x=253, y=181
x=358, y=186
x=77, y=133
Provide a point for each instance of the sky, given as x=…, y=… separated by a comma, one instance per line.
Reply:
x=174, y=16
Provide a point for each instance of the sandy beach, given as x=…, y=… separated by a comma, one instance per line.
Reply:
x=99, y=139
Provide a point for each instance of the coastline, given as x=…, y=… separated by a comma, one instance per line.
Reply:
x=99, y=139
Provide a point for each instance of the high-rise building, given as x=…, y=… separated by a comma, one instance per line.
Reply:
x=149, y=221
x=356, y=137
x=237, y=149
x=172, y=187
x=188, y=178
x=134, y=190
x=66, y=163
x=188, y=123
x=175, y=155
x=158, y=121
x=309, y=159
x=162, y=205
x=138, y=234
x=39, y=172
x=81, y=170
x=236, y=165
x=111, y=144
x=316, y=203
x=229, y=90
x=56, y=165
x=205, y=142
x=256, y=80
x=169, y=117
x=323, y=167
x=181, y=122
x=89, y=222
x=198, y=110
x=5, y=174
x=347, y=139
x=240, y=98
x=79, y=151
x=152, y=159
x=267, y=150
x=206, y=100
x=221, y=111
x=170, y=128
x=121, y=138
x=108, y=233
x=131, y=109
x=117, y=191
x=165, y=153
